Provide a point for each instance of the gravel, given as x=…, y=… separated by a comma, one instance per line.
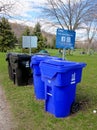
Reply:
x=5, y=113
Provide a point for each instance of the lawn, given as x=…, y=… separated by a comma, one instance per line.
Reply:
x=29, y=113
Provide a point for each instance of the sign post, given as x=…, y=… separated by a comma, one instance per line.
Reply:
x=65, y=39
x=64, y=51
x=29, y=42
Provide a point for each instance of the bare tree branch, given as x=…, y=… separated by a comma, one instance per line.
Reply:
x=91, y=31
x=70, y=14
x=6, y=7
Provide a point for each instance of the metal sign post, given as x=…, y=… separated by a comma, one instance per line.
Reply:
x=30, y=46
x=64, y=52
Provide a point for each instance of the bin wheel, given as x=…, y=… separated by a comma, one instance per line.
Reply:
x=75, y=107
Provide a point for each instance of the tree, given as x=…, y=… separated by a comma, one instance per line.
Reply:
x=7, y=37
x=41, y=40
x=36, y=32
x=91, y=31
x=26, y=32
x=69, y=14
x=53, y=42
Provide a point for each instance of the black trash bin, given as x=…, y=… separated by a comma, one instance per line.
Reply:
x=20, y=68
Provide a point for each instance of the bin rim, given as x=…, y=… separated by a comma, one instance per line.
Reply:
x=63, y=63
x=36, y=59
x=50, y=69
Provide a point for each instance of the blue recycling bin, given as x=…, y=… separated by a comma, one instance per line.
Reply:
x=60, y=78
x=39, y=88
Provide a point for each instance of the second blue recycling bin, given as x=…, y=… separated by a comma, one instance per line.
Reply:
x=38, y=83
x=39, y=88
x=60, y=78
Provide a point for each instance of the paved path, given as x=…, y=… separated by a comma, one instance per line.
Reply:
x=5, y=114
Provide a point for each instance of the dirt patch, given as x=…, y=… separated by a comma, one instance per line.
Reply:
x=5, y=114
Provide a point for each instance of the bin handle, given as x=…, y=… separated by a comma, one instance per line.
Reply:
x=49, y=94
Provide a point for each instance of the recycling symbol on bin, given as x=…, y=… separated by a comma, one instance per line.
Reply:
x=73, y=78
x=27, y=64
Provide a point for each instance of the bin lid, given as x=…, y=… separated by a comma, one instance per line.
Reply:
x=63, y=63
x=36, y=59
x=52, y=66
x=7, y=56
x=20, y=57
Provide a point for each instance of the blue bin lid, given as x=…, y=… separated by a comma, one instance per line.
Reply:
x=63, y=63
x=36, y=59
x=52, y=66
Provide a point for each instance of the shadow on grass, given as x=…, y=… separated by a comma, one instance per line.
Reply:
x=84, y=104
x=85, y=98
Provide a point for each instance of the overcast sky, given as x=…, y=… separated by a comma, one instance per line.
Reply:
x=25, y=10
x=28, y=12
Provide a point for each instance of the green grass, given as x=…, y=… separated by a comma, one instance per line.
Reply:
x=29, y=113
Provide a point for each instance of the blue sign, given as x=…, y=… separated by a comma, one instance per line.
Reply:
x=65, y=39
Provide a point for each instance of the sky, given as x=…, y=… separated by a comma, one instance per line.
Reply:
x=25, y=11
x=28, y=12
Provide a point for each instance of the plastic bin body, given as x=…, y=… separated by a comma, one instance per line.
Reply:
x=59, y=99
x=61, y=78
x=20, y=64
x=39, y=87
